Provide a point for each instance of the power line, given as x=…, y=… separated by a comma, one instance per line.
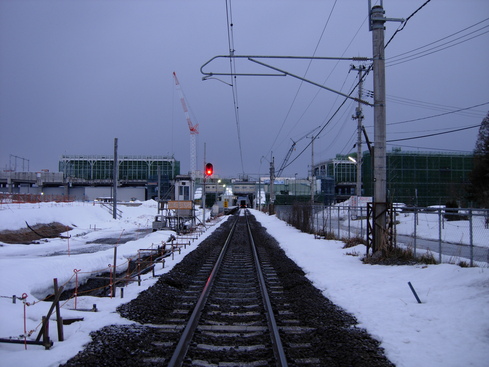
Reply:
x=401, y=27
x=232, y=64
x=332, y=116
x=369, y=68
x=321, y=130
x=422, y=131
x=301, y=83
x=428, y=105
x=434, y=49
x=438, y=115
x=435, y=134
x=350, y=140
x=441, y=39
x=428, y=148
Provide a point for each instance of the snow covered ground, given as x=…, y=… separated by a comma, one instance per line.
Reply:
x=449, y=328
x=426, y=224
x=456, y=236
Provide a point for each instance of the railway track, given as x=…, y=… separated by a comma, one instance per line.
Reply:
x=233, y=317
x=237, y=301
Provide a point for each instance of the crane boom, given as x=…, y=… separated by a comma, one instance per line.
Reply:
x=192, y=128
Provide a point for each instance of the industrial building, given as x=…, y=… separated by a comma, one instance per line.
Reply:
x=152, y=173
x=132, y=168
x=422, y=178
x=413, y=178
x=338, y=177
x=88, y=177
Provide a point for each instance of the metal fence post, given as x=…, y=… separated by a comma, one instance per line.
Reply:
x=439, y=234
x=361, y=222
x=471, y=233
x=323, y=221
x=415, y=225
x=330, y=223
x=339, y=234
x=349, y=223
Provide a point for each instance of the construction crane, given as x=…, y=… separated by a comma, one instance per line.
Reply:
x=289, y=153
x=193, y=130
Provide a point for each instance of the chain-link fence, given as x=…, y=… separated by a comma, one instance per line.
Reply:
x=452, y=235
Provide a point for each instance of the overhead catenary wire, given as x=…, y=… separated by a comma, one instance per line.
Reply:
x=234, y=86
x=349, y=142
x=363, y=78
x=340, y=122
x=327, y=122
x=320, y=131
x=403, y=24
x=369, y=68
x=428, y=148
x=430, y=106
x=434, y=49
x=441, y=39
x=302, y=82
x=434, y=134
x=424, y=131
x=329, y=75
x=438, y=115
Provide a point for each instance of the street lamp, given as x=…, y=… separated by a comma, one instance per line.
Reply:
x=358, y=189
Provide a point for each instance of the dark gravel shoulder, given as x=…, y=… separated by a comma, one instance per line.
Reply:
x=344, y=343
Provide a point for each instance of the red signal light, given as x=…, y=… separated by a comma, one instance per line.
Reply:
x=209, y=169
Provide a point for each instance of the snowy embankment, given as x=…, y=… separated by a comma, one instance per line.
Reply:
x=449, y=328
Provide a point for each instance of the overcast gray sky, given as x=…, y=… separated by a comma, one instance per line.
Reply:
x=76, y=74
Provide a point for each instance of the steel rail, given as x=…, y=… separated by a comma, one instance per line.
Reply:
x=188, y=333
x=278, y=348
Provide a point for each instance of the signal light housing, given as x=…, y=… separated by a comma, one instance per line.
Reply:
x=209, y=169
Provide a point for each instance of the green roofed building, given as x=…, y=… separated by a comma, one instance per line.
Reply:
x=413, y=178
x=132, y=169
x=422, y=178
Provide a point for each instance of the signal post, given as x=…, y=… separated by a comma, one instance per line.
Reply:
x=208, y=172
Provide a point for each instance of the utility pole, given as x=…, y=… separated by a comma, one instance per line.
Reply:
x=380, y=160
x=259, y=192
x=312, y=170
x=272, y=187
x=377, y=20
x=359, y=117
x=115, y=174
